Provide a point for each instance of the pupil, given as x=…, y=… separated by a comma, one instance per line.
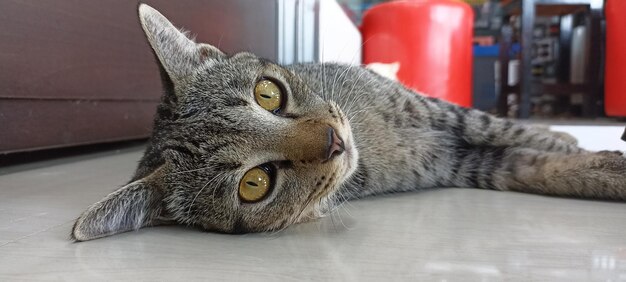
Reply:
x=266, y=96
x=252, y=183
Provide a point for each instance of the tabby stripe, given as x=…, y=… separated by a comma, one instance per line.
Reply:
x=552, y=143
x=517, y=133
x=486, y=121
x=508, y=124
x=489, y=138
x=429, y=110
x=459, y=128
x=226, y=166
x=475, y=164
x=533, y=160
x=417, y=175
x=483, y=167
x=459, y=160
x=530, y=138
x=497, y=157
x=239, y=227
x=392, y=99
x=180, y=149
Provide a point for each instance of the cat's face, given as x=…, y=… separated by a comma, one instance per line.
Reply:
x=223, y=131
x=240, y=145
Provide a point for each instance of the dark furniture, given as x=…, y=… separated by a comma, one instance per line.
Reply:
x=81, y=72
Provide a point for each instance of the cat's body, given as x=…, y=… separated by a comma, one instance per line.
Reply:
x=340, y=132
x=407, y=141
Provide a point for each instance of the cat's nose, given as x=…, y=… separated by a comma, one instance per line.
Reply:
x=335, y=144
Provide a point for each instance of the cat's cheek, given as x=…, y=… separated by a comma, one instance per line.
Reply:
x=351, y=162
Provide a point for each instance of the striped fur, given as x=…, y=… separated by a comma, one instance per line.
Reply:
x=209, y=131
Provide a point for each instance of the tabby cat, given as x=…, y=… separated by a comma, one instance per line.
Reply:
x=241, y=144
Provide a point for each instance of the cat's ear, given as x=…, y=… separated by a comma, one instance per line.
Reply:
x=138, y=204
x=178, y=54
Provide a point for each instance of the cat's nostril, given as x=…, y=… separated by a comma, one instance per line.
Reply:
x=335, y=144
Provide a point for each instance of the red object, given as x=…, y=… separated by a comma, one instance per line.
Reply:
x=432, y=40
x=615, y=79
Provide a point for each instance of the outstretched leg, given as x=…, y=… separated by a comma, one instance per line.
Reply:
x=592, y=175
x=504, y=155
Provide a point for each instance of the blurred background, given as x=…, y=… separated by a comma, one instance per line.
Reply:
x=75, y=73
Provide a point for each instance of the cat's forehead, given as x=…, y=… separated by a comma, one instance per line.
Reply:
x=243, y=64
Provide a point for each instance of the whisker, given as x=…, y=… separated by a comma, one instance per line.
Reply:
x=199, y=192
x=347, y=99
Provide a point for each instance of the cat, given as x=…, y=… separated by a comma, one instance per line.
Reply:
x=241, y=144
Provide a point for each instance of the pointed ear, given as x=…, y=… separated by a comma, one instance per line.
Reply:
x=131, y=207
x=178, y=54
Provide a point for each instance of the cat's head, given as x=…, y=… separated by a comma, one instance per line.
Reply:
x=240, y=144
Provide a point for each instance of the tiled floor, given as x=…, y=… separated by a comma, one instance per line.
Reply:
x=448, y=234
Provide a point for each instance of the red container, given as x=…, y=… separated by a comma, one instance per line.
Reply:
x=432, y=40
x=615, y=78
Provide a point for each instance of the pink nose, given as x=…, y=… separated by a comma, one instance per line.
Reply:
x=335, y=144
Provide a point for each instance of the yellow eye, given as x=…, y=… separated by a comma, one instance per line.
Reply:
x=268, y=95
x=254, y=185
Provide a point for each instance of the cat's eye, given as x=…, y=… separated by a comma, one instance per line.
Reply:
x=255, y=184
x=268, y=95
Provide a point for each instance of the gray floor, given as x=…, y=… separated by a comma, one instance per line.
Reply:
x=448, y=234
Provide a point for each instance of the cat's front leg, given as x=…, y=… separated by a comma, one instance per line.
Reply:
x=592, y=175
x=597, y=175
